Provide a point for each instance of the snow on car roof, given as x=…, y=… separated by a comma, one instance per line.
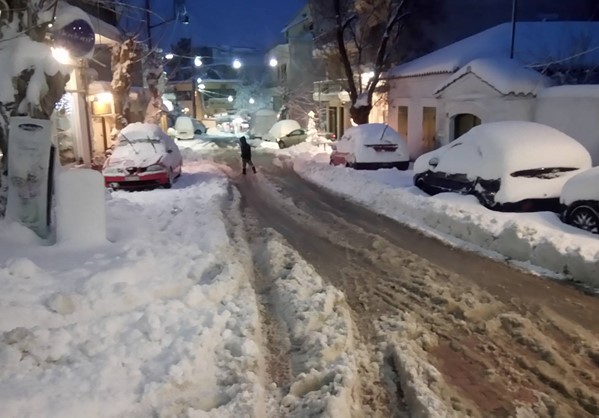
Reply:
x=583, y=186
x=373, y=133
x=496, y=149
x=137, y=131
x=284, y=127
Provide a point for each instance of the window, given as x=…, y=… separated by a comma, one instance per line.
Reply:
x=283, y=72
x=463, y=122
x=429, y=127
x=402, y=121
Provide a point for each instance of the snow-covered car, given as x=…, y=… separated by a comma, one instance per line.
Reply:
x=280, y=129
x=509, y=166
x=580, y=201
x=144, y=157
x=370, y=147
x=188, y=128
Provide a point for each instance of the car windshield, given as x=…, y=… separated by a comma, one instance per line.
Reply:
x=127, y=147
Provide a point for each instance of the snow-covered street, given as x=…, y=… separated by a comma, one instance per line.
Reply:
x=267, y=296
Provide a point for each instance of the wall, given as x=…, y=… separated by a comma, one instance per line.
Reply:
x=575, y=116
x=415, y=93
x=471, y=95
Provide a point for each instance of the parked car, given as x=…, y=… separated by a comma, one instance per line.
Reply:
x=580, y=201
x=292, y=138
x=370, y=147
x=281, y=129
x=508, y=166
x=144, y=157
x=187, y=128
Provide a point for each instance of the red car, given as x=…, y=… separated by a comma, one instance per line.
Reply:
x=143, y=158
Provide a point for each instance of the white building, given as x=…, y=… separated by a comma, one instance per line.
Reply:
x=438, y=97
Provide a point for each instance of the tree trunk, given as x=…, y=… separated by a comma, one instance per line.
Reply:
x=360, y=114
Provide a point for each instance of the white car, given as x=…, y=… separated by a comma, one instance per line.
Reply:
x=281, y=129
x=508, y=166
x=144, y=158
x=580, y=201
x=187, y=128
x=370, y=147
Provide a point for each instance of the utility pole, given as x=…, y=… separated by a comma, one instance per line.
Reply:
x=514, y=17
x=148, y=25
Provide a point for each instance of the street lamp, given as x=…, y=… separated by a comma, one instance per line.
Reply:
x=252, y=101
x=273, y=62
x=199, y=80
x=169, y=56
x=202, y=86
x=230, y=99
x=236, y=64
x=197, y=61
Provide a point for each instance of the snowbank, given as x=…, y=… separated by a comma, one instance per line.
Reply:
x=161, y=322
x=531, y=239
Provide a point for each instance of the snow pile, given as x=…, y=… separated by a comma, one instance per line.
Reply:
x=80, y=208
x=160, y=322
x=503, y=74
x=530, y=239
x=497, y=150
x=422, y=384
x=321, y=334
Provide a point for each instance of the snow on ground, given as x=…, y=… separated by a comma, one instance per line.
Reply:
x=321, y=332
x=161, y=321
x=537, y=241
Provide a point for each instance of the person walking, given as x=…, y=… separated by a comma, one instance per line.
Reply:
x=246, y=155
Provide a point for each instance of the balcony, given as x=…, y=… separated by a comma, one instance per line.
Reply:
x=328, y=90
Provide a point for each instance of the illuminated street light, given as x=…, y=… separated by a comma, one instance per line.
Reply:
x=230, y=99
x=202, y=86
x=273, y=62
x=236, y=64
x=169, y=56
x=61, y=55
x=197, y=62
x=199, y=80
x=252, y=101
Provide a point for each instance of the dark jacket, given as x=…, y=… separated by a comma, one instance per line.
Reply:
x=246, y=150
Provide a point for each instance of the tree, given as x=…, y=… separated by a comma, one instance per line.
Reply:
x=123, y=55
x=362, y=36
x=155, y=81
x=251, y=96
x=36, y=81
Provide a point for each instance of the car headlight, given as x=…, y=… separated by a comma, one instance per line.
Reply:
x=155, y=167
x=113, y=171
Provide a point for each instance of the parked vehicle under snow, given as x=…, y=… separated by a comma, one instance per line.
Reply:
x=508, y=166
x=580, y=201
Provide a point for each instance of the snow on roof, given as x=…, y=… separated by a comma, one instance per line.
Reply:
x=583, y=91
x=503, y=74
x=536, y=44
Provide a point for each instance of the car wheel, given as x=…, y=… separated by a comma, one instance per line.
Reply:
x=171, y=180
x=584, y=217
x=281, y=144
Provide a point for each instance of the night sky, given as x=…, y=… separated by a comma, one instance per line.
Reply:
x=255, y=23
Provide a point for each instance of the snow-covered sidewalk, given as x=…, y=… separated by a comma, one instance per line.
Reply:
x=162, y=321
x=537, y=241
